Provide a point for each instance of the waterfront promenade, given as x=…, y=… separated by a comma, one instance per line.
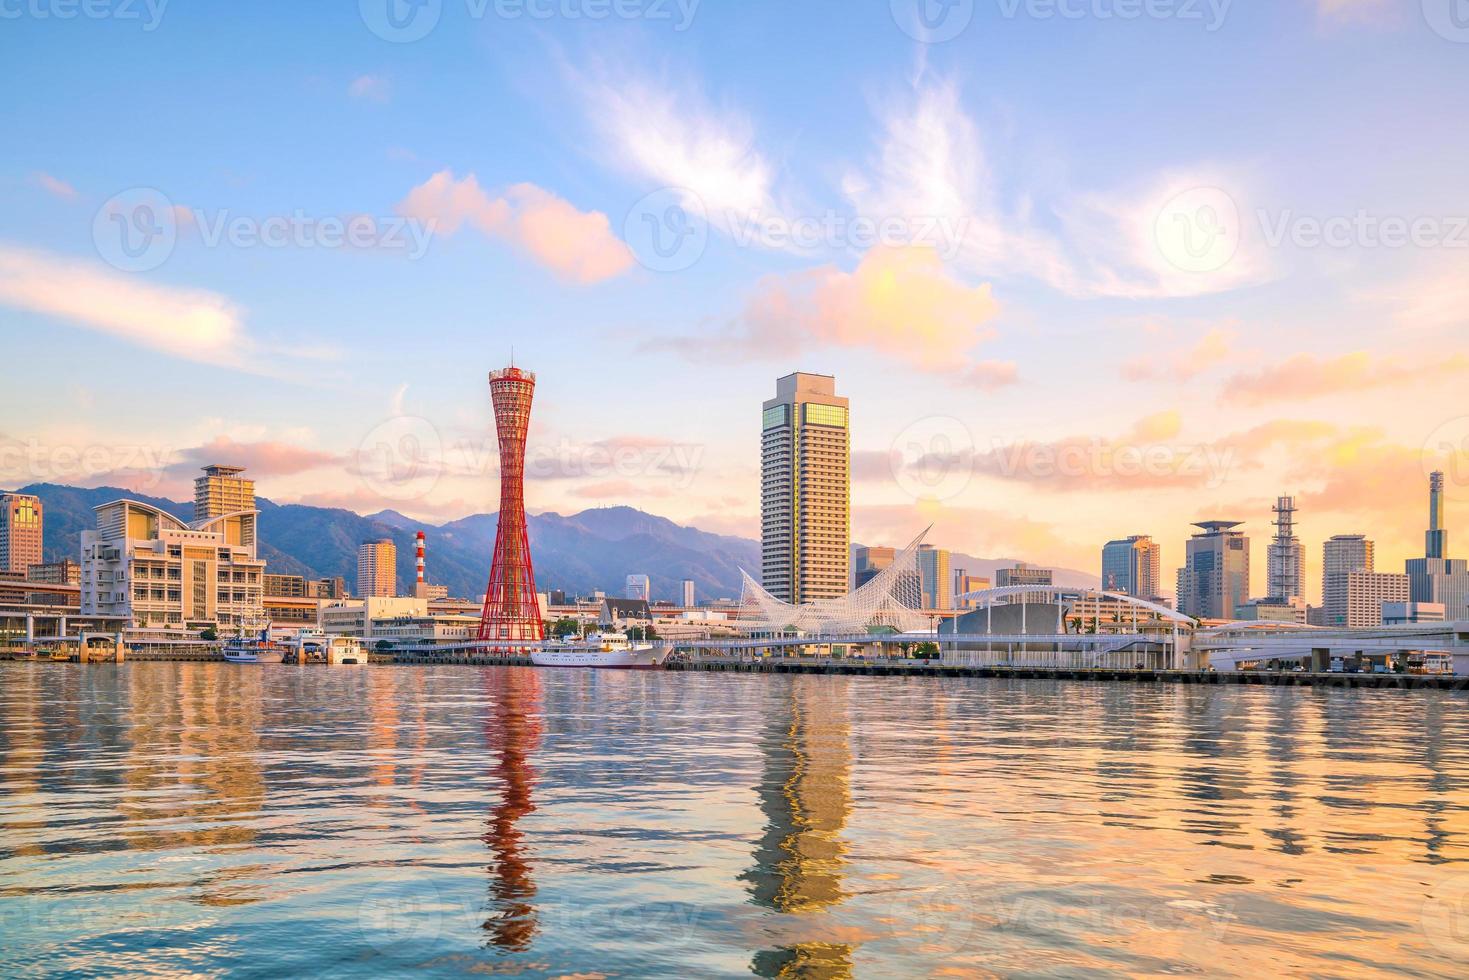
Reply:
x=900, y=668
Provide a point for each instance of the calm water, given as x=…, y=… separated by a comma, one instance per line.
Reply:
x=207, y=820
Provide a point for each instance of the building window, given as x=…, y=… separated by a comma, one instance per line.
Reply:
x=777, y=416
x=832, y=415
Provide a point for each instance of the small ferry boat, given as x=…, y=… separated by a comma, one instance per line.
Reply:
x=610, y=651
x=254, y=648
x=316, y=647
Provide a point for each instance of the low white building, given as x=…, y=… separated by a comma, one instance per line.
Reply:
x=362, y=617
x=159, y=572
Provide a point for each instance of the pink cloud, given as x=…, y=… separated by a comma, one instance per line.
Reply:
x=54, y=185
x=899, y=301
x=1308, y=376
x=578, y=246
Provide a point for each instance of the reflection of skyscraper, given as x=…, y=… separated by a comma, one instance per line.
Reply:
x=513, y=734
x=806, y=799
x=511, y=610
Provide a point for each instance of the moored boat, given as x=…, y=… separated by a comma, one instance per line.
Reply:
x=254, y=648
x=610, y=651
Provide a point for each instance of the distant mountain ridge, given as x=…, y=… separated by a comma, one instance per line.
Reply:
x=581, y=553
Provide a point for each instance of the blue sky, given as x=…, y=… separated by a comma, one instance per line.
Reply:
x=1054, y=318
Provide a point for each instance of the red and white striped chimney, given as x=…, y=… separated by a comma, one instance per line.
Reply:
x=418, y=558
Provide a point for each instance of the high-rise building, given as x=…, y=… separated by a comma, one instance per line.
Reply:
x=638, y=587
x=222, y=490
x=1436, y=540
x=1436, y=578
x=805, y=490
x=870, y=561
x=1286, y=560
x=21, y=525
x=1133, y=566
x=934, y=577
x=1343, y=556
x=377, y=569
x=1353, y=591
x=1023, y=574
x=512, y=609
x=688, y=593
x=964, y=583
x=1366, y=592
x=1215, y=578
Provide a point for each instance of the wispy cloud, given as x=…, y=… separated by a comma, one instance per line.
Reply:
x=578, y=246
x=671, y=136
x=54, y=186
x=189, y=323
x=931, y=163
x=1307, y=376
x=374, y=88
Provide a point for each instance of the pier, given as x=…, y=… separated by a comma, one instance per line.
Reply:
x=1248, y=678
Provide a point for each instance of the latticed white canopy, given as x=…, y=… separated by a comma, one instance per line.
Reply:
x=892, y=599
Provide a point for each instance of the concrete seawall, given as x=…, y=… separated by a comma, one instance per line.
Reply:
x=1414, y=682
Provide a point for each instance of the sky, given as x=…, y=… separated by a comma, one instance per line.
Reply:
x=1085, y=268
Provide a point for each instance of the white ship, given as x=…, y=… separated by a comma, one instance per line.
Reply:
x=607, y=650
x=254, y=649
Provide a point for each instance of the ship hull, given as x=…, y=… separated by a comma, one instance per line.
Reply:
x=645, y=659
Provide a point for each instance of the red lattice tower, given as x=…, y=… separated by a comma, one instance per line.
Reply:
x=511, y=611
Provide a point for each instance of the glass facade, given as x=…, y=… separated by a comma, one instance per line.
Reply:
x=832, y=415
x=777, y=416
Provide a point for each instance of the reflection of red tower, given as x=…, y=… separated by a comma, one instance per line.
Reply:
x=511, y=611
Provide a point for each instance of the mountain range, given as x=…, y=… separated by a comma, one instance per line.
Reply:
x=581, y=553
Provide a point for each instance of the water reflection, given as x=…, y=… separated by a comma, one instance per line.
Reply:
x=513, y=733
x=203, y=819
x=805, y=798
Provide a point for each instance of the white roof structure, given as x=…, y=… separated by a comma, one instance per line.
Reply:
x=892, y=599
